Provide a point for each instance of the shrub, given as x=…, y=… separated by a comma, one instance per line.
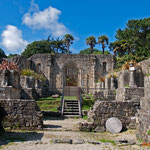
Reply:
x=28, y=72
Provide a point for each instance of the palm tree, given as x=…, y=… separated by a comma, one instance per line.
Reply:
x=118, y=48
x=68, y=40
x=104, y=41
x=91, y=41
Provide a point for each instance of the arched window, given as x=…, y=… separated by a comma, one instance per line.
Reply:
x=39, y=68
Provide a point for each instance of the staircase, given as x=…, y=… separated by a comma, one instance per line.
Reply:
x=71, y=108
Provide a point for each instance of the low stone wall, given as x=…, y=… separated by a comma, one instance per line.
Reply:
x=2, y=116
x=9, y=92
x=24, y=114
x=105, y=95
x=129, y=94
x=103, y=110
x=143, y=130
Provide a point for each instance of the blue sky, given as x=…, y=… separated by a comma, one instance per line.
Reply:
x=25, y=21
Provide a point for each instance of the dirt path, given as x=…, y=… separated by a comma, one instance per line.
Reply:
x=61, y=124
x=60, y=131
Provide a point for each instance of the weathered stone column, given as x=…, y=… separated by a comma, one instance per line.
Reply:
x=103, y=84
x=93, y=74
x=49, y=71
x=106, y=83
x=132, y=80
x=112, y=83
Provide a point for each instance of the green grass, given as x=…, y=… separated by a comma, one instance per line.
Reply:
x=88, y=103
x=149, y=132
x=52, y=104
x=49, y=104
x=107, y=141
x=147, y=74
x=126, y=86
x=49, y=98
x=70, y=97
x=85, y=117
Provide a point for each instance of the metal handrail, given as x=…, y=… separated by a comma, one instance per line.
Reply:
x=62, y=102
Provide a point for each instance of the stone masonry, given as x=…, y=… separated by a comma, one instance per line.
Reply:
x=19, y=113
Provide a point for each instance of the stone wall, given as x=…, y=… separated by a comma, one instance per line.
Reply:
x=2, y=116
x=24, y=114
x=124, y=78
x=143, y=129
x=129, y=94
x=20, y=61
x=33, y=88
x=103, y=110
x=105, y=95
x=89, y=67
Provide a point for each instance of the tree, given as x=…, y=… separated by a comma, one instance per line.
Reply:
x=118, y=48
x=137, y=35
x=2, y=54
x=91, y=41
x=68, y=40
x=12, y=55
x=38, y=47
x=104, y=41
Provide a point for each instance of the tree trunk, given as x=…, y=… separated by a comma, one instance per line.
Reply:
x=103, y=47
x=68, y=49
x=91, y=47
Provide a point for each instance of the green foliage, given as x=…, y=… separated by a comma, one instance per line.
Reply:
x=149, y=132
x=49, y=104
x=91, y=41
x=136, y=36
x=12, y=55
x=68, y=40
x=126, y=85
x=49, y=46
x=28, y=72
x=94, y=51
x=107, y=141
x=37, y=47
x=147, y=74
x=104, y=41
x=126, y=58
x=88, y=103
x=85, y=117
x=2, y=54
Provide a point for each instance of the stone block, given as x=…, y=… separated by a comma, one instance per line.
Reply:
x=9, y=92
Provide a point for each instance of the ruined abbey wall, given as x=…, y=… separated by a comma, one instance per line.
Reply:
x=90, y=68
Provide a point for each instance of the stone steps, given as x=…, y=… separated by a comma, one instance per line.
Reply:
x=71, y=108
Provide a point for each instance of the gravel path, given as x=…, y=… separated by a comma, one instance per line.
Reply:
x=60, y=131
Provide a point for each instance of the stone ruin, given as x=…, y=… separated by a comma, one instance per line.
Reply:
x=16, y=112
x=125, y=96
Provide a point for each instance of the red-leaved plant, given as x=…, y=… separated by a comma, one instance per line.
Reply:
x=6, y=65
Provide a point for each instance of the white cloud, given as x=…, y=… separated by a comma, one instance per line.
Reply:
x=47, y=19
x=12, y=39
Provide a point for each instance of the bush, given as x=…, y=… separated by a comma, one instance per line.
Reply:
x=28, y=72
x=120, y=61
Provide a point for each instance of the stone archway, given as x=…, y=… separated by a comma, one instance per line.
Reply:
x=71, y=75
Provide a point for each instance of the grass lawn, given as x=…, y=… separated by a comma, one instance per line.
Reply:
x=52, y=104
x=49, y=104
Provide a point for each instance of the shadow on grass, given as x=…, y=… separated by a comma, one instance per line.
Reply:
x=52, y=126
x=22, y=136
x=53, y=118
